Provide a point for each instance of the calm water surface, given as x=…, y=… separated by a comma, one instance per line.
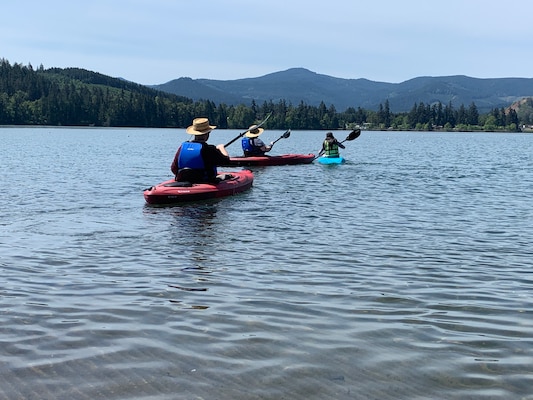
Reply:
x=404, y=273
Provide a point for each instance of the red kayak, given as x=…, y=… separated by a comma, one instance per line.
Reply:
x=284, y=159
x=170, y=192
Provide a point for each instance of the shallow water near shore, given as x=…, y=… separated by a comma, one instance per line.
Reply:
x=403, y=273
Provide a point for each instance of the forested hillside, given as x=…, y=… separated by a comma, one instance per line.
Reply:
x=77, y=97
x=74, y=96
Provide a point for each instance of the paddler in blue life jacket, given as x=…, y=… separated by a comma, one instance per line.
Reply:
x=330, y=146
x=196, y=161
x=252, y=145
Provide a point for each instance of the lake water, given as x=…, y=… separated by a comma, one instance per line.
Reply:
x=405, y=273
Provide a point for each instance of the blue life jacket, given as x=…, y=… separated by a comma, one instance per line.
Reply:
x=190, y=159
x=249, y=148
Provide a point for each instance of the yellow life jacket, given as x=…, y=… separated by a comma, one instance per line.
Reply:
x=331, y=149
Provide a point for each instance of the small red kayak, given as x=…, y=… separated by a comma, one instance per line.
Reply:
x=170, y=192
x=284, y=159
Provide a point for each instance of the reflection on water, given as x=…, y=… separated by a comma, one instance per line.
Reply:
x=404, y=273
x=190, y=229
x=186, y=221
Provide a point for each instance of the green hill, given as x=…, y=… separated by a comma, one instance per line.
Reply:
x=74, y=96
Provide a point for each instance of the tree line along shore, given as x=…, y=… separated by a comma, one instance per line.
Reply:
x=77, y=97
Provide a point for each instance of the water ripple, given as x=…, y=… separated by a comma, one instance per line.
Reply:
x=404, y=273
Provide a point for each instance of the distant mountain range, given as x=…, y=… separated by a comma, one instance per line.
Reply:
x=298, y=85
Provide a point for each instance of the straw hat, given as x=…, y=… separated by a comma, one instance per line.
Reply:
x=200, y=126
x=254, y=131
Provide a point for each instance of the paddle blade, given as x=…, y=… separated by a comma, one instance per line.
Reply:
x=354, y=134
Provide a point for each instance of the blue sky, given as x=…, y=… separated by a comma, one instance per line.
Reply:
x=155, y=41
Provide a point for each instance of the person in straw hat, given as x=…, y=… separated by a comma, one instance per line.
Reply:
x=252, y=145
x=196, y=161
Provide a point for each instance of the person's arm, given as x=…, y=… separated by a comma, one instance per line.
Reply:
x=262, y=146
x=174, y=165
x=340, y=145
x=222, y=149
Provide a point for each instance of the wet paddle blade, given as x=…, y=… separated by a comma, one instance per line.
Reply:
x=354, y=134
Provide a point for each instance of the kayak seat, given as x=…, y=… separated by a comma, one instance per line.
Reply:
x=178, y=184
x=187, y=176
x=190, y=175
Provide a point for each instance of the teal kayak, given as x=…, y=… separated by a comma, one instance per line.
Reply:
x=330, y=160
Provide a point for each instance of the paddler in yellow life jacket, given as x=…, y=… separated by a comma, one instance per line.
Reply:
x=330, y=146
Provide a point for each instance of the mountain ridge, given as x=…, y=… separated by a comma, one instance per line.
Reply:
x=296, y=85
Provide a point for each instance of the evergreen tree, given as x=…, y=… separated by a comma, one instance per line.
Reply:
x=472, y=115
